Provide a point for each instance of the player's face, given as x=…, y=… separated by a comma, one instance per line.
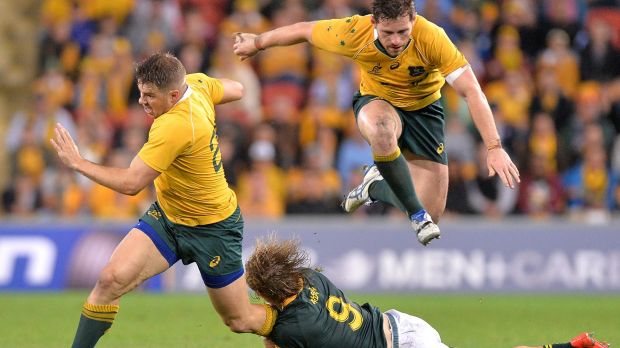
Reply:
x=394, y=34
x=154, y=101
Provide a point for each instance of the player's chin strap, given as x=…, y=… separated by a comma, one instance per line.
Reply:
x=270, y=321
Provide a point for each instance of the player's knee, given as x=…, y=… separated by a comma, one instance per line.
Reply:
x=111, y=281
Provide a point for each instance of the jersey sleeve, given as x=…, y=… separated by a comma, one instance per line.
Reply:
x=340, y=36
x=445, y=56
x=212, y=87
x=167, y=140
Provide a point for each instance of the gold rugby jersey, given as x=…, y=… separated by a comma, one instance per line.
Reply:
x=410, y=81
x=183, y=147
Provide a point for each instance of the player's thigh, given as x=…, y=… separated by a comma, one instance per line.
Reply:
x=431, y=184
x=135, y=259
x=378, y=116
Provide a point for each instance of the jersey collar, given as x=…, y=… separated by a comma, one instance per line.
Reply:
x=288, y=300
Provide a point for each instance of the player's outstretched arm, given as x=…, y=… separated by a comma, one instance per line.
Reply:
x=129, y=181
x=233, y=90
x=247, y=45
x=498, y=161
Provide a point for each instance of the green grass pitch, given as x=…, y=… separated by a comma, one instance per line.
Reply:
x=188, y=320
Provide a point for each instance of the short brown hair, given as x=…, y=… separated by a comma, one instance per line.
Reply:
x=164, y=70
x=275, y=268
x=392, y=9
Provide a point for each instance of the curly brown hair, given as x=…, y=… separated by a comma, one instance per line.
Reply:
x=392, y=9
x=275, y=268
x=164, y=70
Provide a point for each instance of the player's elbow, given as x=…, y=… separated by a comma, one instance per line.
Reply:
x=303, y=31
x=237, y=90
x=237, y=325
x=132, y=187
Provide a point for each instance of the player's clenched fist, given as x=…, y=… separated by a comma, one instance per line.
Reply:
x=245, y=45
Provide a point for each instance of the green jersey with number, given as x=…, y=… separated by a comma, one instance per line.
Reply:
x=322, y=316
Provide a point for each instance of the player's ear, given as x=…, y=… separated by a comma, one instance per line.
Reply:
x=174, y=94
x=372, y=20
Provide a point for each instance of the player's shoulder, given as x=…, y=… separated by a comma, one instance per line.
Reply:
x=199, y=79
x=425, y=28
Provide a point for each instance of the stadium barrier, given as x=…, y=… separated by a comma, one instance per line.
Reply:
x=359, y=254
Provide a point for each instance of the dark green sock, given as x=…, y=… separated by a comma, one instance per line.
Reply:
x=395, y=172
x=94, y=322
x=560, y=345
x=381, y=191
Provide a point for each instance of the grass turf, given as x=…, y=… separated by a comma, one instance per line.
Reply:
x=188, y=320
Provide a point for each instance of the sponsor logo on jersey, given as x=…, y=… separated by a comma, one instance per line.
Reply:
x=394, y=65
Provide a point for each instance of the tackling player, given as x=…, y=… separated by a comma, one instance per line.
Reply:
x=310, y=311
x=404, y=60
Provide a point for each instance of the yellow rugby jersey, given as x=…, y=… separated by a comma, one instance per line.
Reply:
x=410, y=81
x=183, y=147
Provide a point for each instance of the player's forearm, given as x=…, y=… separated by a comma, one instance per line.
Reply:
x=483, y=118
x=285, y=36
x=116, y=179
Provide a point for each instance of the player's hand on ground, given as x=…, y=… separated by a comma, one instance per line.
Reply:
x=65, y=147
x=244, y=45
x=498, y=162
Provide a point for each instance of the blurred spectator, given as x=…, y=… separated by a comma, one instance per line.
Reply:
x=22, y=198
x=154, y=17
x=57, y=50
x=591, y=187
x=459, y=174
x=37, y=122
x=543, y=143
x=559, y=58
x=245, y=17
x=599, y=58
x=523, y=16
x=540, y=191
x=313, y=188
x=588, y=112
x=262, y=189
x=512, y=95
x=332, y=9
x=549, y=98
x=563, y=15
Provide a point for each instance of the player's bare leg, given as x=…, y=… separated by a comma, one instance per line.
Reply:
x=134, y=260
x=381, y=126
x=431, y=184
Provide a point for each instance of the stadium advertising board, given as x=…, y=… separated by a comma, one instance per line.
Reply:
x=365, y=255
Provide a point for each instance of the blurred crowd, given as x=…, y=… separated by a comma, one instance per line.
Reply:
x=550, y=70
